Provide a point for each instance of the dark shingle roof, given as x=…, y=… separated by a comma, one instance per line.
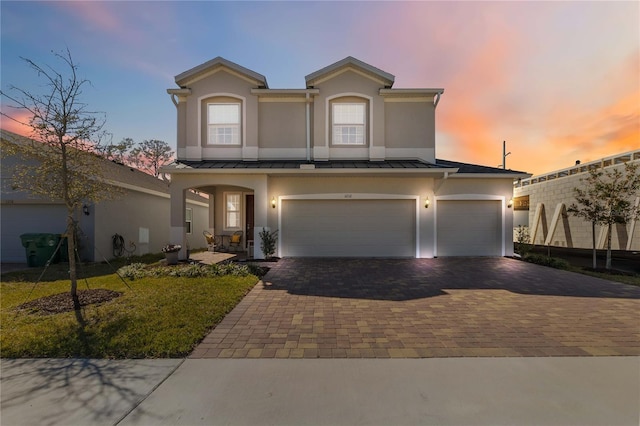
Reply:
x=463, y=168
x=475, y=168
x=295, y=164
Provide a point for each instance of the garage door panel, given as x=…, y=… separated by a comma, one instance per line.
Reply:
x=348, y=228
x=469, y=228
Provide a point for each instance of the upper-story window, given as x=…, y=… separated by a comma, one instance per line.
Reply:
x=224, y=123
x=349, y=123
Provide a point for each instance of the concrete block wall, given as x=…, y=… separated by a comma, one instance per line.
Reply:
x=571, y=231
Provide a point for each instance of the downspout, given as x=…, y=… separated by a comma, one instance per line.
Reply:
x=308, y=128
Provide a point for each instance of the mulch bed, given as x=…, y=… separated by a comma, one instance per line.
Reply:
x=63, y=302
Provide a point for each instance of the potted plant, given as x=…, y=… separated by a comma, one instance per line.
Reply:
x=171, y=253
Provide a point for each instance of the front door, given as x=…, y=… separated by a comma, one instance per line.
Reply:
x=249, y=219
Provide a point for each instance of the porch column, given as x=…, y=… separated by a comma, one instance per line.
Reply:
x=261, y=210
x=177, y=234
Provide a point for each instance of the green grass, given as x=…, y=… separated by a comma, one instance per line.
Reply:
x=155, y=318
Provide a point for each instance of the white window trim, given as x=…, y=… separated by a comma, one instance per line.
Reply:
x=188, y=221
x=243, y=112
x=329, y=121
x=225, y=218
x=363, y=125
x=238, y=126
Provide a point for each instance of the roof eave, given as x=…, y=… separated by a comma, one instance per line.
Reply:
x=191, y=75
x=388, y=78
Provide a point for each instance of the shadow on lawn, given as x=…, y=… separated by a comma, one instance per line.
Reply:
x=408, y=279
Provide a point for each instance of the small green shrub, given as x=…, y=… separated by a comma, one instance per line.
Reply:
x=522, y=246
x=140, y=270
x=543, y=260
x=268, y=240
x=133, y=271
x=187, y=271
x=234, y=269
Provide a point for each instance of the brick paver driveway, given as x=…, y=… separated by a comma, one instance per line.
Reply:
x=446, y=307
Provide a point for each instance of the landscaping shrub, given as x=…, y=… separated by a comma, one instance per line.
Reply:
x=133, y=271
x=140, y=270
x=543, y=260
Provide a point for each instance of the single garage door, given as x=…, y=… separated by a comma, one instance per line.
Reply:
x=348, y=228
x=469, y=228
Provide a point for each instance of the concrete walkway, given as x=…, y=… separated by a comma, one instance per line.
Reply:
x=449, y=391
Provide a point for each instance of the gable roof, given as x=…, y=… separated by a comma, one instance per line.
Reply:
x=346, y=64
x=203, y=70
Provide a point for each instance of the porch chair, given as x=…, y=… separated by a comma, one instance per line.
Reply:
x=211, y=242
x=236, y=241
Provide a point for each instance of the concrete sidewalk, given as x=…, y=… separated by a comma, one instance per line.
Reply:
x=447, y=391
x=76, y=391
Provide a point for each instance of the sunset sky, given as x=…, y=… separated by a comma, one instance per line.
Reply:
x=558, y=81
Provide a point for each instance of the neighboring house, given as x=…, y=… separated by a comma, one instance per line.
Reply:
x=345, y=167
x=140, y=215
x=541, y=203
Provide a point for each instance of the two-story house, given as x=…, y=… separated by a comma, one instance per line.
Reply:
x=345, y=167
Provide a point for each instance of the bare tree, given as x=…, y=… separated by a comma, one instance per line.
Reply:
x=607, y=199
x=151, y=155
x=60, y=164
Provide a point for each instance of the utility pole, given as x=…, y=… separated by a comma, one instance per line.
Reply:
x=504, y=155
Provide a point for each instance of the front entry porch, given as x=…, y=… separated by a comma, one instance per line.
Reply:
x=237, y=212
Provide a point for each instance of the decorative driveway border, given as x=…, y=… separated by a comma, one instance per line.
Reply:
x=423, y=308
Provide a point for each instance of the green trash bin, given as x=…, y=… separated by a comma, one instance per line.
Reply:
x=40, y=247
x=64, y=249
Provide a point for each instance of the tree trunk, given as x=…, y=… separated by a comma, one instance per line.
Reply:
x=608, y=264
x=71, y=251
x=593, y=242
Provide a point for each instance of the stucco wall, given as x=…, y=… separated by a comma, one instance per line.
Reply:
x=282, y=125
x=137, y=210
x=571, y=231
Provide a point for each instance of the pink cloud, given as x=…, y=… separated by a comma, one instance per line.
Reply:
x=512, y=71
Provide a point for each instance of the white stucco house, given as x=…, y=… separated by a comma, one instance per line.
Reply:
x=344, y=167
x=140, y=215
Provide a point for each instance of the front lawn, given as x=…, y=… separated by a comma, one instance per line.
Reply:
x=153, y=317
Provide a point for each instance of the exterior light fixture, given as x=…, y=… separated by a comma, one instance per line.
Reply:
x=510, y=204
x=426, y=203
x=85, y=209
x=273, y=202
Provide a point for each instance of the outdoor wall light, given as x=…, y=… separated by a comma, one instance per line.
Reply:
x=510, y=203
x=85, y=209
x=426, y=203
x=273, y=202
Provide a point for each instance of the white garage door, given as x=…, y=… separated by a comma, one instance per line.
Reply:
x=348, y=228
x=469, y=228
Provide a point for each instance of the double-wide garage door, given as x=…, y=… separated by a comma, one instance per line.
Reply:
x=469, y=228
x=348, y=228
